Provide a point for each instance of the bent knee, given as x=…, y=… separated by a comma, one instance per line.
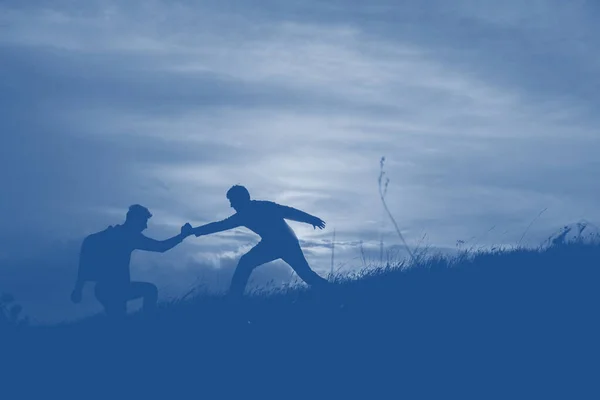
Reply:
x=150, y=290
x=246, y=262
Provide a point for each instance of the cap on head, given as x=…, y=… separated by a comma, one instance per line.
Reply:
x=238, y=193
x=138, y=212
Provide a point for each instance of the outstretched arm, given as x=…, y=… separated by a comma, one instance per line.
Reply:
x=219, y=226
x=300, y=216
x=160, y=246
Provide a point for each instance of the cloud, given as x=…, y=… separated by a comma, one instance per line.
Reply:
x=485, y=113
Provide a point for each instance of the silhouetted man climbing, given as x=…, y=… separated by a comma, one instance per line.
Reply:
x=105, y=258
x=267, y=219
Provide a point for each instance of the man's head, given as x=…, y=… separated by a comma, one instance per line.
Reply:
x=137, y=217
x=238, y=197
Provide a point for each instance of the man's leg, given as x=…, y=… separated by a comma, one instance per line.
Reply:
x=113, y=301
x=145, y=290
x=295, y=258
x=258, y=255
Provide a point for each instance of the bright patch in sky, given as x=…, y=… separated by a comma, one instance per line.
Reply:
x=486, y=114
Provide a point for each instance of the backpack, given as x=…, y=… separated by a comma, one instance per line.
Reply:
x=93, y=254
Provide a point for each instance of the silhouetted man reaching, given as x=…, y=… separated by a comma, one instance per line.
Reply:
x=267, y=219
x=105, y=257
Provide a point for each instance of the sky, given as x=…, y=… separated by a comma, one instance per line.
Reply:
x=485, y=111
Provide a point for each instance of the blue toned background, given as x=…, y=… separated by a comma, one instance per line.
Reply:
x=486, y=112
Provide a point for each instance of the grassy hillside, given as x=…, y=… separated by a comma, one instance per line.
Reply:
x=507, y=324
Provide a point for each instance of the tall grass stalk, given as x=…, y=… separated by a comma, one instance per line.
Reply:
x=382, y=192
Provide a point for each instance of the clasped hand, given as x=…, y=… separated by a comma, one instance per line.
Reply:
x=187, y=230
